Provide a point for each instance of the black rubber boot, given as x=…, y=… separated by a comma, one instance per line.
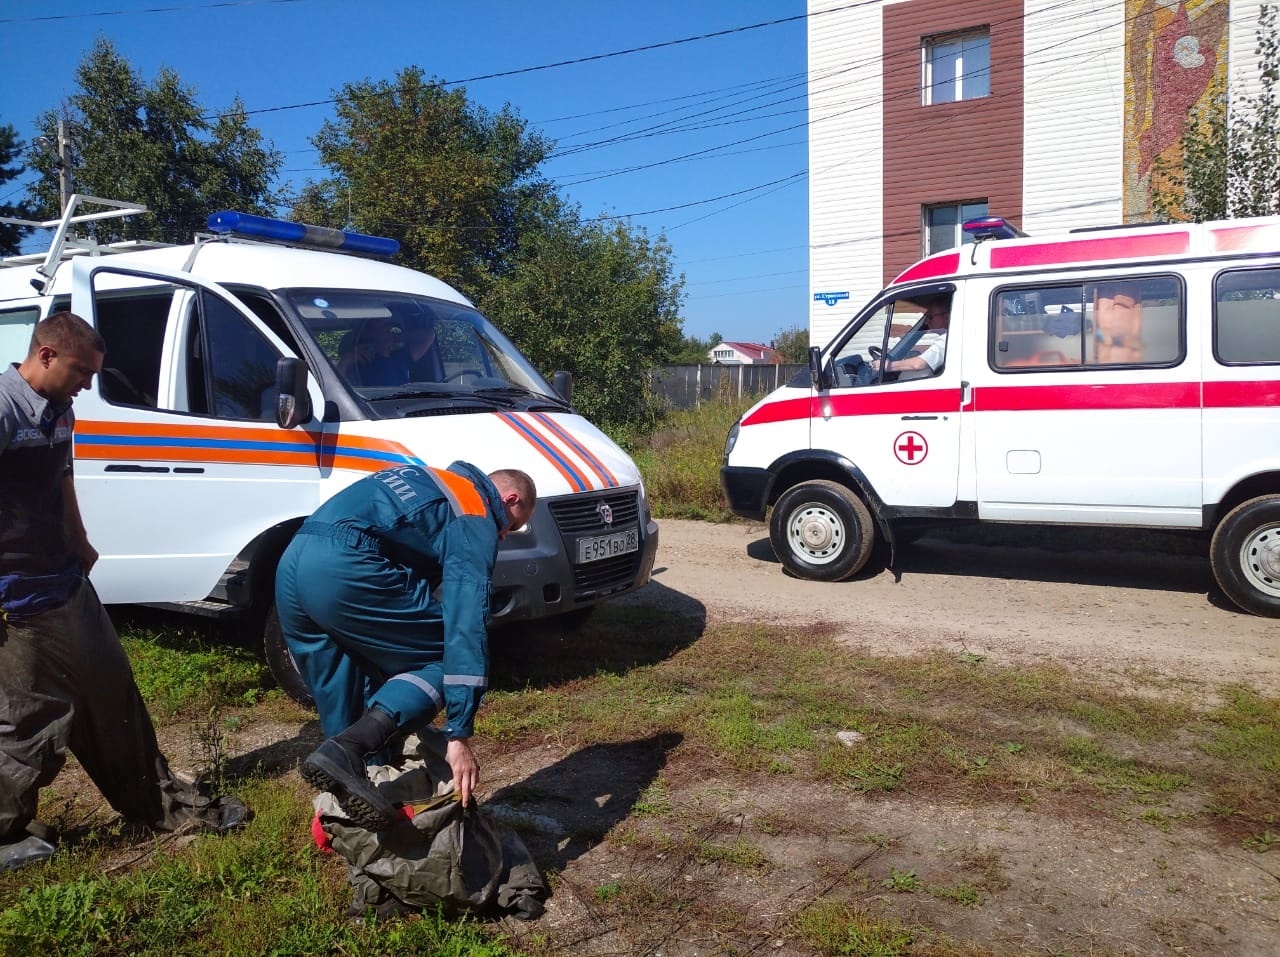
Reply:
x=26, y=851
x=338, y=766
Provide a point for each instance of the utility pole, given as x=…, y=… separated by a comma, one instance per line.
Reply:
x=64, y=171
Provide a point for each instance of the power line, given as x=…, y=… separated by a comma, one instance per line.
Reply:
x=124, y=13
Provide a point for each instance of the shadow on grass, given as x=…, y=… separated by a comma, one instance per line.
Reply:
x=584, y=796
x=647, y=627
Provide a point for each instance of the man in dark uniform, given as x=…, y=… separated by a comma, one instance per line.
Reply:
x=65, y=682
x=383, y=597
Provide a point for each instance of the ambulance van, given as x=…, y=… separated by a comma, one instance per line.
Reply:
x=1124, y=377
x=253, y=373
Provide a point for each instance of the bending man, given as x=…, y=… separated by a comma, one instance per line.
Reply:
x=357, y=593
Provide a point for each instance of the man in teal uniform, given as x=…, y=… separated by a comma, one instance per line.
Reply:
x=383, y=597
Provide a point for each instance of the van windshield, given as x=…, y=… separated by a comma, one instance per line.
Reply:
x=393, y=345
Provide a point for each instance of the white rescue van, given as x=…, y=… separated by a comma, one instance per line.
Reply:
x=247, y=379
x=1126, y=377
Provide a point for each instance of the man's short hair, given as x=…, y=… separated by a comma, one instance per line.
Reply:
x=66, y=332
x=519, y=482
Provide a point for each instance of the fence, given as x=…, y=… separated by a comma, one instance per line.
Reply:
x=686, y=387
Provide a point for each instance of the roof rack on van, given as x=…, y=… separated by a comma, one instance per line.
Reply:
x=64, y=242
x=1098, y=229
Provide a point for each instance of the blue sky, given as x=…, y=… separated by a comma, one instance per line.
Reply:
x=735, y=213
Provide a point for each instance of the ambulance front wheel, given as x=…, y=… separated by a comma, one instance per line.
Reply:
x=279, y=660
x=822, y=531
x=1246, y=555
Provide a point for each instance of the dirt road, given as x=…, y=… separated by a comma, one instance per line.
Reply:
x=1123, y=603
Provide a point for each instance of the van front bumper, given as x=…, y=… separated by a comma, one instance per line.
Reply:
x=535, y=575
x=746, y=491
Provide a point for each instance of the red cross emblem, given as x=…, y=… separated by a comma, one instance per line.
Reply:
x=910, y=448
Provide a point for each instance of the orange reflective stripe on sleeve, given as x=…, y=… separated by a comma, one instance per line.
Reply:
x=462, y=495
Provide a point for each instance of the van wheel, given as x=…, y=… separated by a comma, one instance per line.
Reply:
x=280, y=661
x=1246, y=555
x=822, y=531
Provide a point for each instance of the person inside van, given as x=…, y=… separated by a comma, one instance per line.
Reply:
x=937, y=317
x=385, y=352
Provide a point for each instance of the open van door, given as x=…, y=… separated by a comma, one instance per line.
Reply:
x=179, y=460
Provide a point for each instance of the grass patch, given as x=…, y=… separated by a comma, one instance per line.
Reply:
x=681, y=461
x=184, y=673
x=737, y=703
x=262, y=890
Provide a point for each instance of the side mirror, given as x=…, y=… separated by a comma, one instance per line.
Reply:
x=562, y=382
x=293, y=404
x=815, y=369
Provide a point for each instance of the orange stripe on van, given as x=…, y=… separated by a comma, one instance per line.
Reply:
x=540, y=445
x=160, y=442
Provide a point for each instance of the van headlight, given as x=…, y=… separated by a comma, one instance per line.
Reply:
x=731, y=440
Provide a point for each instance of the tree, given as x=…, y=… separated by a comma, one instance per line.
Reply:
x=10, y=236
x=693, y=351
x=792, y=345
x=601, y=302
x=455, y=184
x=461, y=189
x=152, y=144
x=1230, y=164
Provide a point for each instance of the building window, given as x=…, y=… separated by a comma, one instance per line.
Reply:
x=723, y=354
x=957, y=66
x=942, y=225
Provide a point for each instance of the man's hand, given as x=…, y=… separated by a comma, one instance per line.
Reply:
x=466, y=771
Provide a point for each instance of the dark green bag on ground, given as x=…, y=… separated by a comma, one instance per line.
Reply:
x=440, y=855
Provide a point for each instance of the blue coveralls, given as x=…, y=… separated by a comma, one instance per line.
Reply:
x=354, y=595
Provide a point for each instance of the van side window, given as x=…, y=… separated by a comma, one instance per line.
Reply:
x=15, y=332
x=231, y=368
x=1129, y=322
x=1246, y=320
x=133, y=325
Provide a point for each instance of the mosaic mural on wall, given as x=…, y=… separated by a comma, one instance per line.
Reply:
x=1174, y=50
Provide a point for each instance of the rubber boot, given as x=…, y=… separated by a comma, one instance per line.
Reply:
x=26, y=851
x=339, y=767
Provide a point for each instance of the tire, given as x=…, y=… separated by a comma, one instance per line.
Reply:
x=280, y=661
x=1245, y=554
x=822, y=531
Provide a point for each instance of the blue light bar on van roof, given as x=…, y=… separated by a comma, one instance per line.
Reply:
x=300, y=234
x=991, y=227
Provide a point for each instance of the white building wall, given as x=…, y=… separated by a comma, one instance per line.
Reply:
x=845, y=160
x=1073, y=115
x=1243, y=78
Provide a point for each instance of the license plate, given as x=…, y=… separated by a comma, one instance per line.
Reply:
x=607, y=546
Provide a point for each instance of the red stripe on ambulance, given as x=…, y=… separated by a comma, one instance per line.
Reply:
x=1091, y=250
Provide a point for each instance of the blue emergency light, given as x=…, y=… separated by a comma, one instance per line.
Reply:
x=230, y=222
x=992, y=227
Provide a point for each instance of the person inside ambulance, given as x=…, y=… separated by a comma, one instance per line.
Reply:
x=937, y=317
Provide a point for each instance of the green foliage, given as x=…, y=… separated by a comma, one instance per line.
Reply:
x=793, y=345
x=1230, y=165
x=600, y=301
x=693, y=351
x=10, y=235
x=681, y=461
x=460, y=188
x=152, y=143
x=186, y=675
x=457, y=185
